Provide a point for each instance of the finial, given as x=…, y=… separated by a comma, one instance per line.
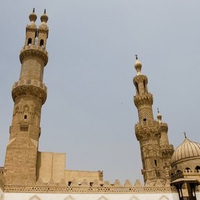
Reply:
x=185, y=134
x=32, y=17
x=138, y=65
x=159, y=116
x=44, y=17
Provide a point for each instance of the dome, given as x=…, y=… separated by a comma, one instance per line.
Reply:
x=186, y=150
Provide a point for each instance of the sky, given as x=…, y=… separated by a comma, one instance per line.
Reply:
x=89, y=113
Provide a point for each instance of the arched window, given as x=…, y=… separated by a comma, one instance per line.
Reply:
x=137, y=89
x=41, y=42
x=29, y=41
x=144, y=84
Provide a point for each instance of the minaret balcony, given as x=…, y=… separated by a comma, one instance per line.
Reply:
x=143, y=99
x=33, y=82
x=29, y=87
x=147, y=131
x=34, y=51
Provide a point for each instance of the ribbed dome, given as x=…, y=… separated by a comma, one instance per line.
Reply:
x=187, y=149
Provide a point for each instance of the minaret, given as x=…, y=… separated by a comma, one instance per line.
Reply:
x=147, y=130
x=29, y=94
x=165, y=148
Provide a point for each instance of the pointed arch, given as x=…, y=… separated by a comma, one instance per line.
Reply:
x=69, y=198
x=35, y=198
x=102, y=198
x=29, y=41
x=163, y=198
x=134, y=198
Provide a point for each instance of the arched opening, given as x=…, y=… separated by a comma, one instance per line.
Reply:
x=41, y=42
x=155, y=162
x=137, y=89
x=187, y=169
x=144, y=84
x=197, y=168
x=29, y=41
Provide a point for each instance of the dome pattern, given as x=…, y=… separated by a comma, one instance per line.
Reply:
x=187, y=149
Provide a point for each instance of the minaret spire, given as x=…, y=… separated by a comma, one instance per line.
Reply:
x=29, y=94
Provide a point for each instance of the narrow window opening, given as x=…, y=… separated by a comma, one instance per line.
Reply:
x=155, y=162
x=69, y=183
x=136, y=86
x=144, y=86
x=29, y=41
x=25, y=116
x=41, y=42
x=144, y=120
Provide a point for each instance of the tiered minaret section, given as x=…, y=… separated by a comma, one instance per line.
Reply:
x=152, y=134
x=29, y=94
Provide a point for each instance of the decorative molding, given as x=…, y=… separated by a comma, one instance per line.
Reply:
x=34, y=51
x=146, y=99
x=88, y=189
x=29, y=90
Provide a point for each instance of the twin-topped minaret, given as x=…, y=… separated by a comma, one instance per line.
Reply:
x=29, y=94
x=152, y=134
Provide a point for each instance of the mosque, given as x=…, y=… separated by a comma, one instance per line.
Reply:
x=29, y=174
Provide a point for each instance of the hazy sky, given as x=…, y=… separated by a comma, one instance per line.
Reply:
x=89, y=113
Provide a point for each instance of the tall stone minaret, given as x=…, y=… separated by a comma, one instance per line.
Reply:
x=149, y=132
x=29, y=94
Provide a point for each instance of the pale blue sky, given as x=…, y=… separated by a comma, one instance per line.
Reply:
x=89, y=113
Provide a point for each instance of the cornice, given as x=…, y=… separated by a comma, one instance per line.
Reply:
x=145, y=99
x=34, y=51
x=29, y=90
